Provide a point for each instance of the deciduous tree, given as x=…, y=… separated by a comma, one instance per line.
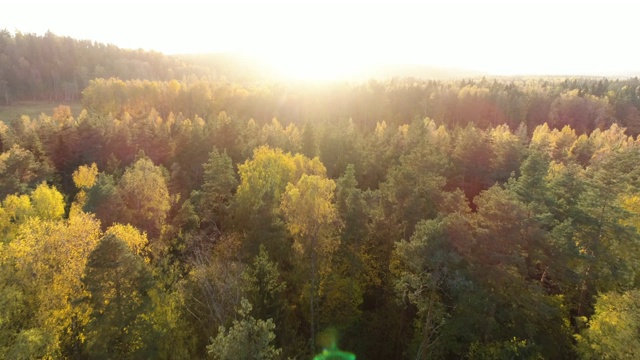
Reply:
x=311, y=217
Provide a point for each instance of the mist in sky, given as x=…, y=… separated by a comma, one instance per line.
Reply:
x=570, y=38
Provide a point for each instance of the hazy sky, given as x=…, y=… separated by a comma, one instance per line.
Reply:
x=514, y=37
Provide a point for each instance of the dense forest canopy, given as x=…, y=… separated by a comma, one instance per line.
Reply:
x=180, y=215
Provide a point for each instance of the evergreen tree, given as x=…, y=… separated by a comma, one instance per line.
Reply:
x=247, y=338
x=118, y=285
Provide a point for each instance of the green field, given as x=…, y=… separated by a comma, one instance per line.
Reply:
x=33, y=109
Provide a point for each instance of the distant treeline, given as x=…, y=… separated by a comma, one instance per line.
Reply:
x=583, y=104
x=56, y=68
x=51, y=67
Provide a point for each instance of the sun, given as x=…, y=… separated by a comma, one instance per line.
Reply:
x=316, y=67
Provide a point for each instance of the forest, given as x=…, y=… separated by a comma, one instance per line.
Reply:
x=184, y=215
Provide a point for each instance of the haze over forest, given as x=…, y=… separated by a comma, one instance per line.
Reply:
x=336, y=38
x=268, y=181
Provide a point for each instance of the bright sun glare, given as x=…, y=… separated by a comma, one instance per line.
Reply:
x=316, y=43
x=337, y=40
x=315, y=67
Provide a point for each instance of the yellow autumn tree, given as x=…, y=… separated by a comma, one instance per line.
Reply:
x=614, y=330
x=84, y=178
x=40, y=281
x=310, y=215
x=136, y=240
x=47, y=202
x=256, y=205
x=143, y=197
